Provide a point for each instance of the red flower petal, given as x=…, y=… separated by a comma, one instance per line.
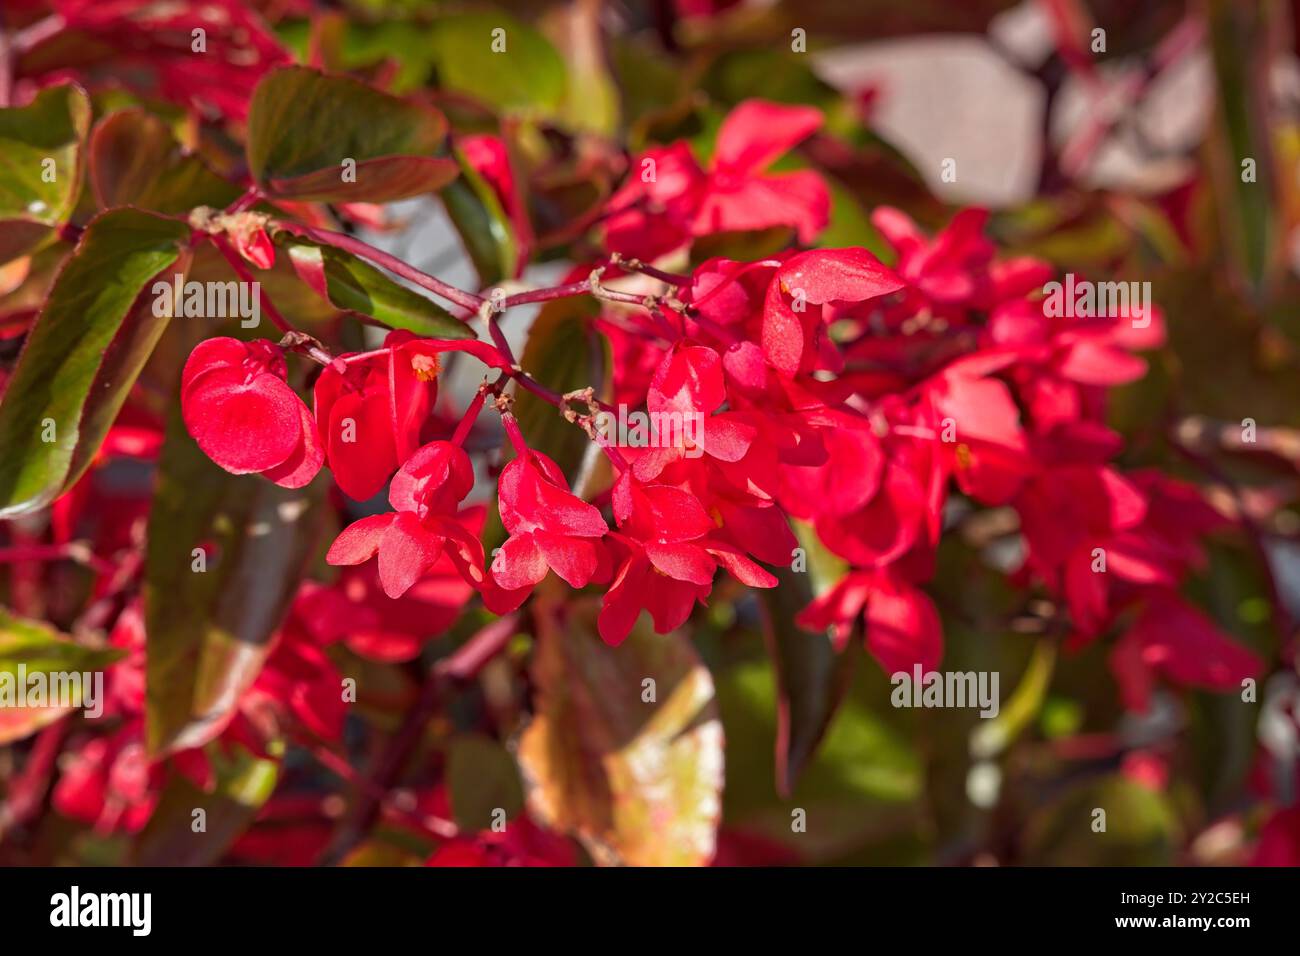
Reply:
x=359, y=541
x=758, y=131
x=301, y=467
x=244, y=425
x=406, y=551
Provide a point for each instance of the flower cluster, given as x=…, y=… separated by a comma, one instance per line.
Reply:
x=832, y=390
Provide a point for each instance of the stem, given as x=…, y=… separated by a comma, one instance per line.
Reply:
x=461, y=667
x=570, y=289
x=27, y=792
x=336, y=764
x=339, y=240
x=6, y=68
x=78, y=551
x=632, y=264
x=250, y=198
x=516, y=436
x=467, y=420
x=38, y=32
x=499, y=337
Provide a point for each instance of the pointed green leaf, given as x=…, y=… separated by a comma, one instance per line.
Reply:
x=82, y=355
x=40, y=650
x=500, y=61
x=135, y=161
x=356, y=286
x=484, y=227
x=303, y=125
x=244, y=783
x=209, y=629
x=41, y=152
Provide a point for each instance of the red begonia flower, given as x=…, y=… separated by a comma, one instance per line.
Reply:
x=794, y=335
x=686, y=389
x=739, y=196
x=241, y=412
x=1174, y=640
x=550, y=528
x=902, y=625
x=671, y=558
x=371, y=410
x=668, y=198
x=409, y=541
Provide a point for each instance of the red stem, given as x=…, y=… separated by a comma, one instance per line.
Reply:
x=467, y=420
x=394, y=265
x=72, y=551
x=516, y=436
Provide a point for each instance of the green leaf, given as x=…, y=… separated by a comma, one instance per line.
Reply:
x=862, y=788
x=742, y=246
x=40, y=650
x=638, y=782
x=209, y=630
x=244, y=783
x=1246, y=126
x=1141, y=827
x=35, y=195
x=591, y=98
x=303, y=125
x=484, y=227
x=82, y=355
x=482, y=778
x=382, y=852
x=811, y=674
x=527, y=76
x=850, y=224
x=566, y=353
x=135, y=161
x=356, y=286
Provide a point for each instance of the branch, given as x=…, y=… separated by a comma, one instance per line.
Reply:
x=462, y=666
x=339, y=240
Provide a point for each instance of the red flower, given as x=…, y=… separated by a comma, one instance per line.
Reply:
x=370, y=412
x=685, y=389
x=386, y=629
x=550, y=528
x=902, y=625
x=740, y=197
x=794, y=321
x=670, y=559
x=1173, y=639
x=239, y=409
x=410, y=540
x=651, y=213
x=670, y=199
